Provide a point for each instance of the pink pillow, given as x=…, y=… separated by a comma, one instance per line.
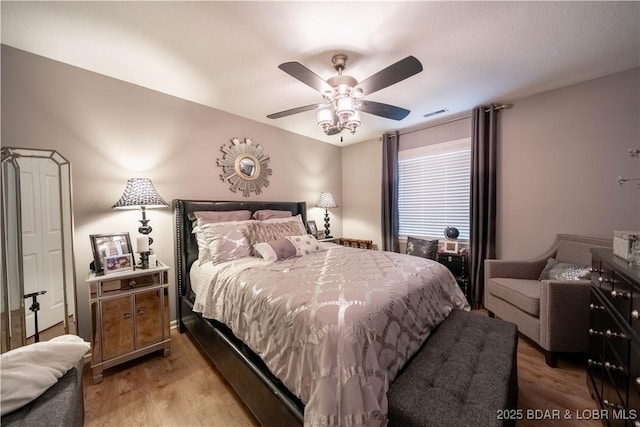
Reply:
x=222, y=216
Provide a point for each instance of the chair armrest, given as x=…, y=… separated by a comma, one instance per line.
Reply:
x=530, y=269
x=564, y=315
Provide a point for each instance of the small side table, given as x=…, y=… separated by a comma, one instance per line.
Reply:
x=458, y=266
x=129, y=316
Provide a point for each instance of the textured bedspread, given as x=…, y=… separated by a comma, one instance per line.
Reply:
x=334, y=326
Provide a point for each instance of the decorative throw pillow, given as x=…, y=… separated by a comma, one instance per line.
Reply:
x=263, y=231
x=275, y=250
x=555, y=270
x=222, y=241
x=264, y=214
x=288, y=247
x=306, y=244
x=27, y=372
x=422, y=247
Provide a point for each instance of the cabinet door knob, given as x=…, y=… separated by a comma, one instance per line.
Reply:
x=635, y=315
x=140, y=312
x=126, y=316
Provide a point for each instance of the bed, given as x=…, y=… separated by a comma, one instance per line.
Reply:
x=345, y=352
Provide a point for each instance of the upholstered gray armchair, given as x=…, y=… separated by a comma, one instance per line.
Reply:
x=553, y=313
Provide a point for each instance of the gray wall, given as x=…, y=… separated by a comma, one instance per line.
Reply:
x=559, y=155
x=111, y=131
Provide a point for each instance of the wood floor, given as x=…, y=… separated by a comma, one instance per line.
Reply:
x=185, y=389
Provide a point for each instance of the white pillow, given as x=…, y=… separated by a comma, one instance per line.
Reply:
x=27, y=372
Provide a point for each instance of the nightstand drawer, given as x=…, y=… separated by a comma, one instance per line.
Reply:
x=109, y=287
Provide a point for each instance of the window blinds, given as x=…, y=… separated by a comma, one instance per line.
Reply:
x=434, y=189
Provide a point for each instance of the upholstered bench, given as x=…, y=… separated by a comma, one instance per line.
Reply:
x=465, y=375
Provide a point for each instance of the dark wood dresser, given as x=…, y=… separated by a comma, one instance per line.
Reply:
x=613, y=371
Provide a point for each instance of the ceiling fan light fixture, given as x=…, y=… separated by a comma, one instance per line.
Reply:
x=325, y=118
x=344, y=107
x=342, y=94
x=353, y=122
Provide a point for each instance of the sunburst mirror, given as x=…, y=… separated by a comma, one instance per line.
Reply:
x=245, y=166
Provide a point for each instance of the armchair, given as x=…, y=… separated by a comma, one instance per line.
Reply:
x=552, y=313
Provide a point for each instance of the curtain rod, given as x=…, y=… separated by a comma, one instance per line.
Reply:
x=456, y=119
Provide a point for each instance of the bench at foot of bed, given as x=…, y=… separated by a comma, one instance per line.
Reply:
x=465, y=374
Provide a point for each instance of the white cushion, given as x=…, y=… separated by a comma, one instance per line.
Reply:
x=27, y=372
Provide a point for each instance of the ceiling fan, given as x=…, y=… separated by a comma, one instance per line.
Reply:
x=343, y=95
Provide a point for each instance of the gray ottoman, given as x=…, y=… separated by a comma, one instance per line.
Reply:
x=464, y=375
x=62, y=405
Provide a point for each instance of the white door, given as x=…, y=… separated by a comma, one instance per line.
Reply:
x=41, y=241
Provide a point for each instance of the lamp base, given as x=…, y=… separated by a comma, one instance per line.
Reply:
x=327, y=232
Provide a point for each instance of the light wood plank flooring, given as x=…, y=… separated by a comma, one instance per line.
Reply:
x=185, y=389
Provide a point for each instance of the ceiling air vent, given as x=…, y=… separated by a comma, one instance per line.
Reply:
x=435, y=113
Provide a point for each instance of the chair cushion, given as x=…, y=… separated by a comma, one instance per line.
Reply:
x=522, y=293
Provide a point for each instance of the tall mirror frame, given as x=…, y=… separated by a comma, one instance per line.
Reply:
x=37, y=247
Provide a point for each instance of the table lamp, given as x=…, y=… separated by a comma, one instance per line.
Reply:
x=141, y=194
x=326, y=201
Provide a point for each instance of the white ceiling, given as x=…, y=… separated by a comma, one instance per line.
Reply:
x=226, y=54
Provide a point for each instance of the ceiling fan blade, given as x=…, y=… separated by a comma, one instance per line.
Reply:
x=393, y=74
x=384, y=110
x=294, y=111
x=306, y=76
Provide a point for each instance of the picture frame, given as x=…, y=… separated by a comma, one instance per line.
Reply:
x=118, y=263
x=108, y=245
x=313, y=229
x=321, y=235
x=451, y=247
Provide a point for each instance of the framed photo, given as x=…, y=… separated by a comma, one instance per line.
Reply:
x=114, y=264
x=321, y=235
x=313, y=229
x=108, y=246
x=451, y=247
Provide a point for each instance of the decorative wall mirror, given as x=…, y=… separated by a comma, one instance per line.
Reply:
x=37, y=247
x=245, y=166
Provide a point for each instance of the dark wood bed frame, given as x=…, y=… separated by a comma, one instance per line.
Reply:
x=267, y=398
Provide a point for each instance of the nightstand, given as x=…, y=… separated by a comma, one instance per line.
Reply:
x=458, y=266
x=129, y=316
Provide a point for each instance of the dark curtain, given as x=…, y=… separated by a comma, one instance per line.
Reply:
x=483, y=197
x=390, y=220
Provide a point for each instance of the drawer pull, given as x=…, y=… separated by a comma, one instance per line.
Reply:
x=611, y=334
x=638, y=381
x=611, y=367
x=616, y=294
x=132, y=283
x=605, y=402
x=126, y=316
x=635, y=315
x=592, y=362
x=594, y=332
x=140, y=312
x=594, y=270
x=603, y=280
x=596, y=307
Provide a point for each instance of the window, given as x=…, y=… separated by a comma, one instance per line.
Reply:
x=434, y=189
